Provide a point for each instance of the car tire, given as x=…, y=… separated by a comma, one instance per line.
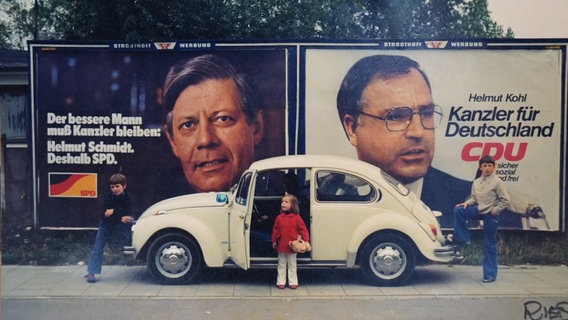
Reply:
x=387, y=259
x=174, y=259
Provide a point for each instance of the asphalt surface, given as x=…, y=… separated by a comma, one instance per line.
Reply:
x=531, y=292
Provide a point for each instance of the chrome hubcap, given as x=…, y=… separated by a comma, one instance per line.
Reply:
x=174, y=259
x=387, y=260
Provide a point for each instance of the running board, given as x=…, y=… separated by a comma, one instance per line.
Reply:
x=301, y=263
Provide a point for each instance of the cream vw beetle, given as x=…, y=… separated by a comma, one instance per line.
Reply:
x=356, y=215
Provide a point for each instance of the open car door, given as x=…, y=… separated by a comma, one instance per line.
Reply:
x=239, y=222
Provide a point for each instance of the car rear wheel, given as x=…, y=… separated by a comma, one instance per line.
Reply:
x=387, y=259
x=174, y=259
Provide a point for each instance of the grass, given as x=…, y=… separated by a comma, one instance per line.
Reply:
x=28, y=246
x=522, y=247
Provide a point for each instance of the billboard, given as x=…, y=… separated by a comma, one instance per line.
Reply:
x=100, y=108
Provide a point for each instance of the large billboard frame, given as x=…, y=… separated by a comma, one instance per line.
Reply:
x=303, y=82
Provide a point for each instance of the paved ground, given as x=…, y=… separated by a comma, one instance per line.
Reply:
x=431, y=281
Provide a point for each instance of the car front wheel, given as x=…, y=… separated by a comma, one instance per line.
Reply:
x=387, y=259
x=174, y=259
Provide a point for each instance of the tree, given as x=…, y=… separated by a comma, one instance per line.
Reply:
x=149, y=20
x=16, y=24
x=476, y=22
x=413, y=19
x=4, y=36
x=24, y=20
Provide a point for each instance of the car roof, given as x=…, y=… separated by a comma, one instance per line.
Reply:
x=318, y=161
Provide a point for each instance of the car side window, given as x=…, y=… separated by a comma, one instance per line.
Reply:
x=338, y=186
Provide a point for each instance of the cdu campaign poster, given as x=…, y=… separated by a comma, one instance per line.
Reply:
x=506, y=100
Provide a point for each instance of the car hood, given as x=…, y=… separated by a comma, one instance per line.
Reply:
x=198, y=200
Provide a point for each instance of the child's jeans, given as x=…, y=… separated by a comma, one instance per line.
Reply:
x=490, y=224
x=105, y=232
x=287, y=259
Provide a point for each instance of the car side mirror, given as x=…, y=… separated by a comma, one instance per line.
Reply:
x=221, y=197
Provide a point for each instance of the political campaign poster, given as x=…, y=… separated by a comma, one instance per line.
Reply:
x=100, y=109
x=505, y=100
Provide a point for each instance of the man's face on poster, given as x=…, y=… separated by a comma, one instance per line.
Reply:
x=405, y=154
x=211, y=135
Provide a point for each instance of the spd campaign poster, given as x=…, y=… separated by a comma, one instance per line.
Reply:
x=98, y=109
x=507, y=100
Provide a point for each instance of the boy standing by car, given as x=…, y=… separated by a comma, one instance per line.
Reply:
x=116, y=220
x=488, y=198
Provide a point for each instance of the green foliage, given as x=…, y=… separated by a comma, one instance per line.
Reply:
x=4, y=36
x=521, y=247
x=148, y=20
x=16, y=23
x=28, y=246
x=22, y=20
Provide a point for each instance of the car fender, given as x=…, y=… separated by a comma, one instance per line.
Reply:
x=212, y=247
x=391, y=221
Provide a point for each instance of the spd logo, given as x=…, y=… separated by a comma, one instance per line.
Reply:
x=72, y=185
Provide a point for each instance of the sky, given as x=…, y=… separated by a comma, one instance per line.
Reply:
x=532, y=18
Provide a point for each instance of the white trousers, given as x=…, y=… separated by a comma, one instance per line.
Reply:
x=287, y=260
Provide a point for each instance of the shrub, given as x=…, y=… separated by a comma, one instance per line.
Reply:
x=29, y=246
x=518, y=247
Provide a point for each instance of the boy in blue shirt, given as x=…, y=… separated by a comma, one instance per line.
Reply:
x=488, y=198
x=116, y=220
